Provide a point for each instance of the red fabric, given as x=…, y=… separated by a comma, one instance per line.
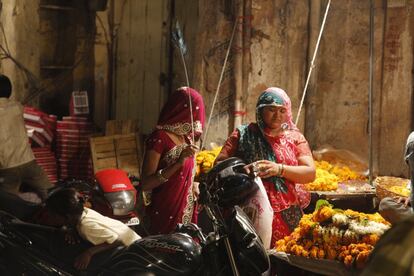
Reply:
x=230, y=146
x=171, y=202
x=176, y=112
x=288, y=147
x=170, y=199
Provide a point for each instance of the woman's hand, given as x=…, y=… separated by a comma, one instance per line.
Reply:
x=251, y=168
x=264, y=168
x=188, y=151
x=196, y=190
x=304, y=172
x=268, y=168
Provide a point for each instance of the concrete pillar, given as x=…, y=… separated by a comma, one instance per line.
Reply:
x=19, y=37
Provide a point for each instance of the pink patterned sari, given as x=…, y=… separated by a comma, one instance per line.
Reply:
x=251, y=143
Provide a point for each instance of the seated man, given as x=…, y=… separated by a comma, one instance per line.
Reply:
x=103, y=232
x=409, y=158
x=397, y=209
x=394, y=253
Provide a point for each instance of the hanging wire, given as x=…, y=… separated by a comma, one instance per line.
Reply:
x=219, y=84
x=370, y=87
x=312, y=62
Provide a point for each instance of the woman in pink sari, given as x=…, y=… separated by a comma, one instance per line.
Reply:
x=275, y=147
x=169, y=162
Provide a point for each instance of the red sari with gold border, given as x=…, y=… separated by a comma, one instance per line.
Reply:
x=172, y=202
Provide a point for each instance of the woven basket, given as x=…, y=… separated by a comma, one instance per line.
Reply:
x=383, y=183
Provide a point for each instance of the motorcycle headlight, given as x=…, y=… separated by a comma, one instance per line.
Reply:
x=122, y=202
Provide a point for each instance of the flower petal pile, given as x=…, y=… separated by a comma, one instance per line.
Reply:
x=205, y=160
x=401, y=190
x=328, y=176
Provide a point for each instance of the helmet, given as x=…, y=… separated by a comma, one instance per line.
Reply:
x=230, y=183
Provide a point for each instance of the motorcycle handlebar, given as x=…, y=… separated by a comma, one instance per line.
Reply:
x=193, y=230
x=205, y=196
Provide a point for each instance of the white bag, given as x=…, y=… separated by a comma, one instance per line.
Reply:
x=260, y=212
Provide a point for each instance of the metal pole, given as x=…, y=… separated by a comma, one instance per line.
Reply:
x=371, y=74
x=313, y=61
x=230, y=254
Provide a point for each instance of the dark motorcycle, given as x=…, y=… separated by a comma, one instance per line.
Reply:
x=233, y=248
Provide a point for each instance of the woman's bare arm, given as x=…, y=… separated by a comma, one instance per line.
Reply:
x=303, y=173
x=150, y=179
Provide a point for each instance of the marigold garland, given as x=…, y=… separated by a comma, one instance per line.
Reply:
x=344, y=235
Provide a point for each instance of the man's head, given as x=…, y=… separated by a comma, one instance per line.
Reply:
x=409, y=154
x=66, y=203
x=5, y=87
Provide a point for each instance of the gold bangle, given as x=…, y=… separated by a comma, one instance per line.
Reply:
x=278, y=169
x=160, y=177
x=282, y=170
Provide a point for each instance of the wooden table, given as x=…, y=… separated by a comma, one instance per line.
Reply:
x=361, y=201
x=311, y=266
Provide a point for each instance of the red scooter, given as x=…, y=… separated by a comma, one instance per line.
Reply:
x=115, y=196
x=111, y=194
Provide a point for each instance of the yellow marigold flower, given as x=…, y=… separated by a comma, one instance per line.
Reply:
x=205, y=160
x=324, y=181
x=401, y=190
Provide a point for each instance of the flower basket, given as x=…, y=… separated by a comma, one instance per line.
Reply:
x=384, y=183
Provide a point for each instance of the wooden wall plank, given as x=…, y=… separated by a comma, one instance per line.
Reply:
x=137, y=69
x=155, y=57
x=121, y=127
x=121, y=70
x=338, y=101
x=396, y=91
x=338, y=106
x=141, y=58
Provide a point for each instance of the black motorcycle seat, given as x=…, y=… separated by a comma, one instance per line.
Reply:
x=69, y=252
x=99, y=260
x=51, y=240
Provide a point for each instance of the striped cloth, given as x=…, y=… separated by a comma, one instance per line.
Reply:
x=409, y=158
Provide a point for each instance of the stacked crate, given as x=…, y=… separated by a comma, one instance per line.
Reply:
x=72, y=147
x=46, y=159
x=41, y=129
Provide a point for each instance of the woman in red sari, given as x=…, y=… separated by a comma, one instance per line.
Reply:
x=275, y=147
x=169, y=162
